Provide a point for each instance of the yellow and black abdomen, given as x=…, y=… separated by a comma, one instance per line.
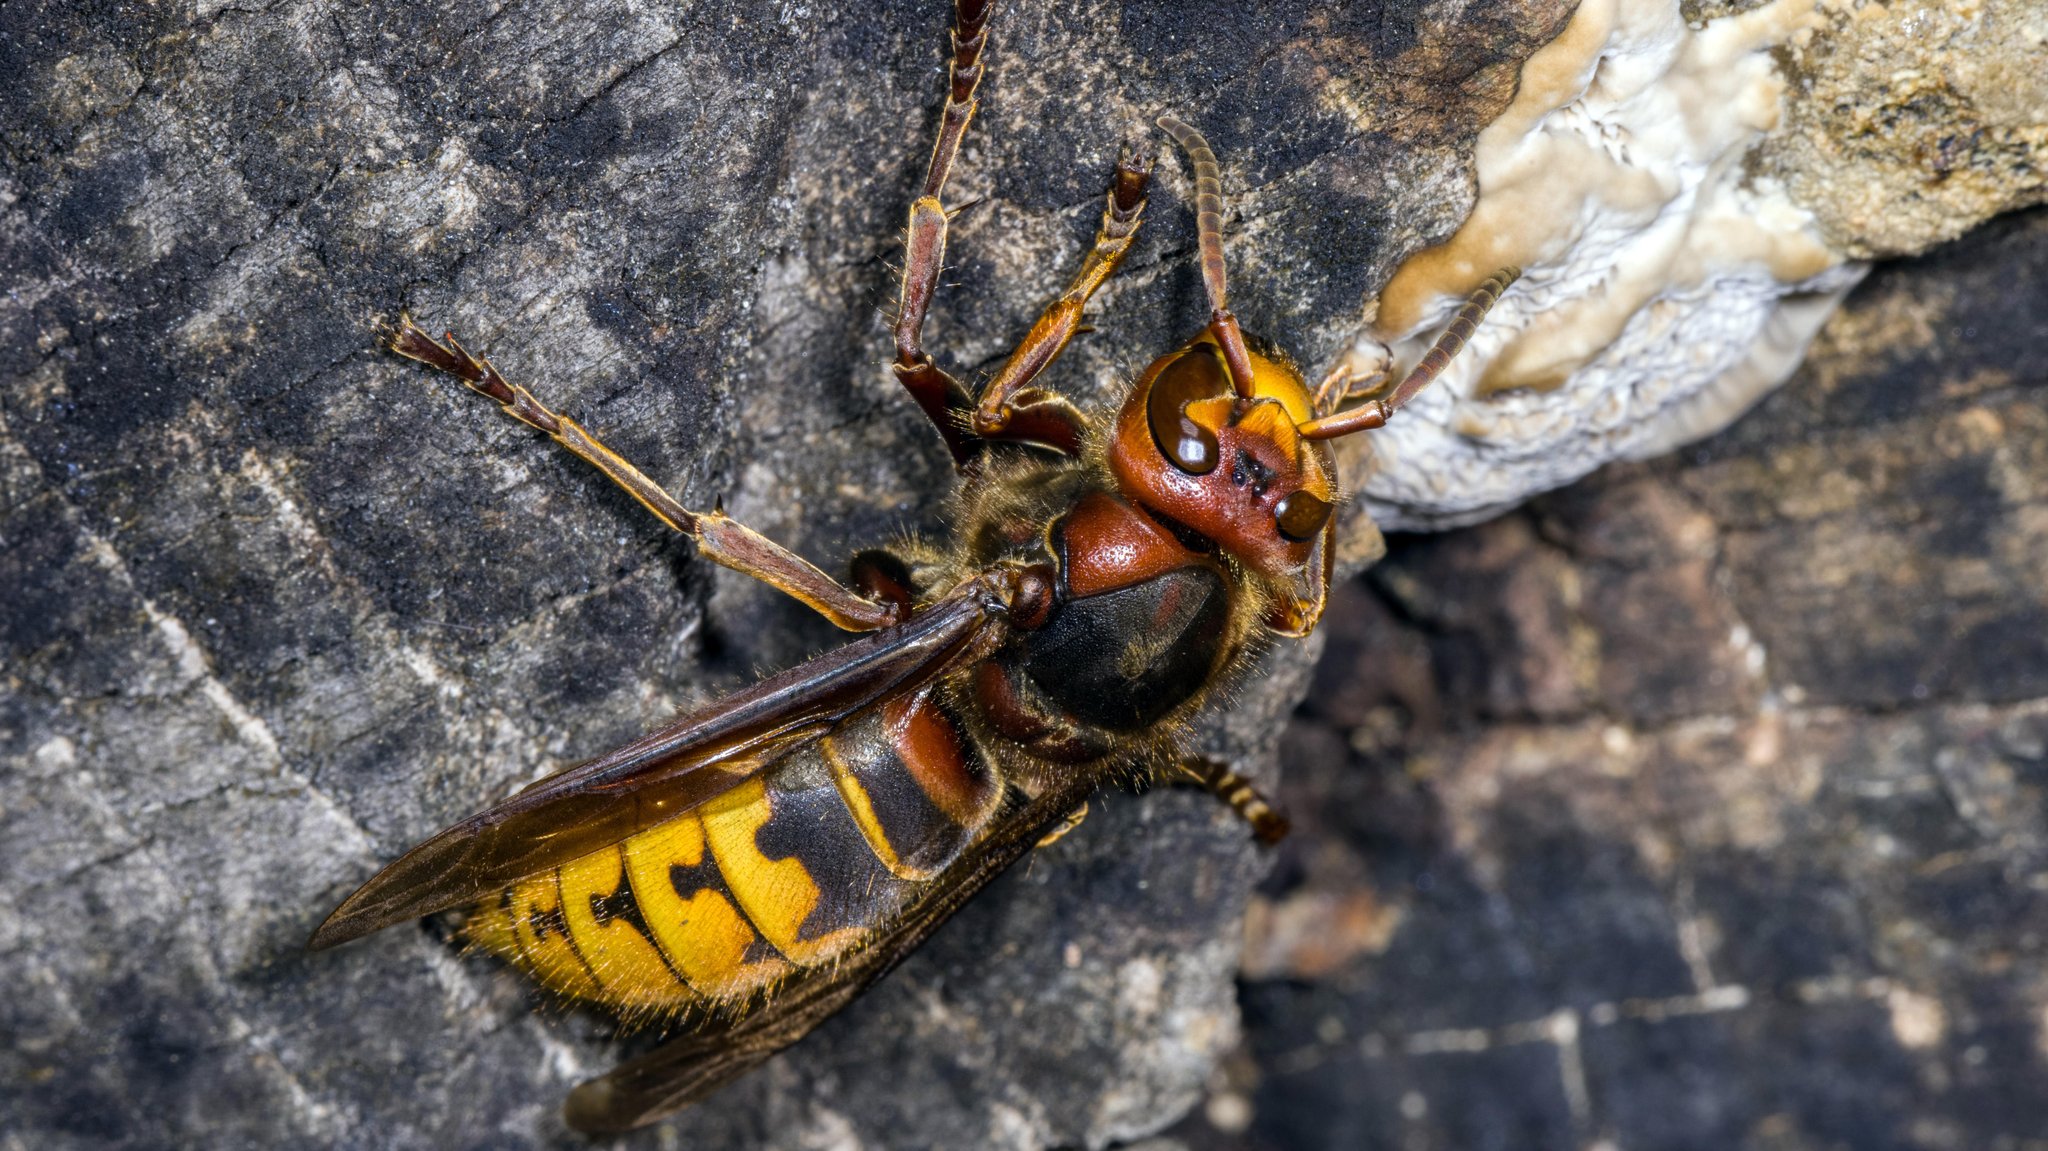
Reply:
x=787, y=870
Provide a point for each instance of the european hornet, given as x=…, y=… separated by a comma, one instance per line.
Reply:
x=757, y=864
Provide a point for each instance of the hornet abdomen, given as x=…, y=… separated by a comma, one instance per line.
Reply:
x=788, y=870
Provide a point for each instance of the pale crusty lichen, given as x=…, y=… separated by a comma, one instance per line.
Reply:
x=1915, y=121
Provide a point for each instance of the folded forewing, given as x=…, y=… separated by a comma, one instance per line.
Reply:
x=659, y=776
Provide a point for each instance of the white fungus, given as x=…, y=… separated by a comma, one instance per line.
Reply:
x=1665, y=288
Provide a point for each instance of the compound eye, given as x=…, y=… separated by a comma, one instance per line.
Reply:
x=1300, y=516
x=1197, y=375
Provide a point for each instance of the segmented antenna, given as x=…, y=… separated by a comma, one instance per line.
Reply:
x=1374, y=413
x=1209, y=226
x=1453, y=340
x=1208, y=207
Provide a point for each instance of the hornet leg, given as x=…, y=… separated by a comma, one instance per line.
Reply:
x=1268, y=825
x=944, y=401
x=1375, y=413
x=1010, y=409
x=721, y=539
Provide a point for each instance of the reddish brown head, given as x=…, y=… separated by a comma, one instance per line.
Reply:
x=1235, y=470
x=1210, y=439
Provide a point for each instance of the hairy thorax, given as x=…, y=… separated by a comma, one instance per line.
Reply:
x=1145, y=616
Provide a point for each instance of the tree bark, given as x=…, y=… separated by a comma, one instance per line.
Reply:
x=278, y=605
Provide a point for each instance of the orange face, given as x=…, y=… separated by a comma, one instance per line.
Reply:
x=1236, y=470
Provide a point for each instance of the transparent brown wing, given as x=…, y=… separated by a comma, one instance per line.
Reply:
x=688, y=1068
x=655, y=778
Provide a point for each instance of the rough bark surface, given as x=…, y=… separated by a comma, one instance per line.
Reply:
x=1704, y=804
x=278, y=605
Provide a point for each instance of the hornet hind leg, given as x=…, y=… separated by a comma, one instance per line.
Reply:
x=721, y=539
